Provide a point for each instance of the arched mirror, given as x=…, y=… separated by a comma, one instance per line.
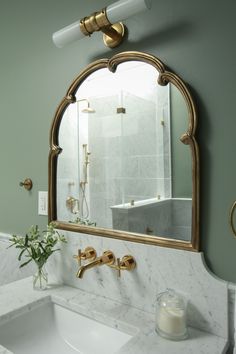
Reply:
x=123, y=159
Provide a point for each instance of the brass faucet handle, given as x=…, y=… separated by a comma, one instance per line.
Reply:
x=78, y=257
x=88, y=253
x=127, y=263
x=108, y=258
x=118, y=267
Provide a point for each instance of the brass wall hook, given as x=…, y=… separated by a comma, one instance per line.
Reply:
x=231, y=221
x=88, y=253
x=27, y=184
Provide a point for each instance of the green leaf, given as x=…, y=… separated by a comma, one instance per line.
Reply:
x=34, y=253
x=40, y=245
x=20, y=255
x=24, y=264
x=26, y=240
x=10, y=246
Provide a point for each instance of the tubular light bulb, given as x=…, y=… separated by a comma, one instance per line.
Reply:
x=123, y=9
x=67, y=35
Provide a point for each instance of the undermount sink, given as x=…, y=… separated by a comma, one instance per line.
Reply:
x=51, y=328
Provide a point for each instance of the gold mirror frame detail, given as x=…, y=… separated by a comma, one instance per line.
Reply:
x=188, y=138
x=231, y=218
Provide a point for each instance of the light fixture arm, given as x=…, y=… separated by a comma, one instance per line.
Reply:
x=98, y=21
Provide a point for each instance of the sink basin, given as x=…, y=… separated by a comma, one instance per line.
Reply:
x=51, y=328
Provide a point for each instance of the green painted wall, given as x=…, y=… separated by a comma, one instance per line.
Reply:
x=195, y=38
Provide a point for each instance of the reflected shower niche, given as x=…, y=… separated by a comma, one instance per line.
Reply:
x=122, y=165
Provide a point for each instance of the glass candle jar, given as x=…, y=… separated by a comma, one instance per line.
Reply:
x=171, y=315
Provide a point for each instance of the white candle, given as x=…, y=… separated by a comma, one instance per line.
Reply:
x=171, y=315
x=172, y=321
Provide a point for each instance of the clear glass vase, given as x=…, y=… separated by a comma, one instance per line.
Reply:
x=40, y=278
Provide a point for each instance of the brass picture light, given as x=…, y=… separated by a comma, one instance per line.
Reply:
x=107, y=20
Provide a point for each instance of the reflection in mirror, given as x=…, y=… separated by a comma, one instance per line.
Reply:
x=123, y=165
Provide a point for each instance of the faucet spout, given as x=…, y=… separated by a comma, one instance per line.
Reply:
x=107, y=258
x=87, y=266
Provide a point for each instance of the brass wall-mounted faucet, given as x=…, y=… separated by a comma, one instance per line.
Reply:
x=126, y=263
x=107, y=258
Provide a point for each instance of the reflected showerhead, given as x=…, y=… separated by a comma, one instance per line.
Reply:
x=88, y=109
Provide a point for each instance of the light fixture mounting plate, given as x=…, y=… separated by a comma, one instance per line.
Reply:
x=112, y=42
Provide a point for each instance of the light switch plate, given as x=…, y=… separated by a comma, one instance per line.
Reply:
x=42, y=203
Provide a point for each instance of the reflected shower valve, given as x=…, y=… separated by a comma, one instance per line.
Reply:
x=72, y=205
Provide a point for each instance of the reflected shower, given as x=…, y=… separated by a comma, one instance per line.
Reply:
x=84, y=207
x=87, y=109
x=84, y=202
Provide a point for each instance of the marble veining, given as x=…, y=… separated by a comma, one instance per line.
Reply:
x=157, y=269
x=135, y=322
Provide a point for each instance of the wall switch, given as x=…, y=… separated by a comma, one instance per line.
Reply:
x=43, y=203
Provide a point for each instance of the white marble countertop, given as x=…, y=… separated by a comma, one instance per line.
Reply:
x=19, y=297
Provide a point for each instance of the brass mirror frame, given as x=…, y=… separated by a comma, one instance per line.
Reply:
x=231, y=218
x=188, y=138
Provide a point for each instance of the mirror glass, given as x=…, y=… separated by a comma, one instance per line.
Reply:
x=122, y=165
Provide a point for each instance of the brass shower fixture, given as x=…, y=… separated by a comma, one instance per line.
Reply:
x=86, y=163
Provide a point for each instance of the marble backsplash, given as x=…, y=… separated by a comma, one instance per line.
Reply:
x=211, y=302
x=157, y=269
